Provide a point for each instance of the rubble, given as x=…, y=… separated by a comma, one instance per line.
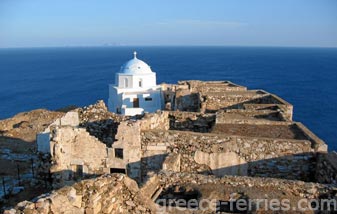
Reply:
x=99, y=122
x=114, y=193
x=216, y=140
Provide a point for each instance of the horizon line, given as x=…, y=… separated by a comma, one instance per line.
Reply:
x=162, y=45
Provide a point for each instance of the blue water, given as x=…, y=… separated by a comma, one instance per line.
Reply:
x=56, y=77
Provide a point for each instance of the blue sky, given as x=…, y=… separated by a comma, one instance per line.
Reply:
x=38, y=23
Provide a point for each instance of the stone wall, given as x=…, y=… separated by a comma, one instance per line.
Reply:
x=153, y=156
x=43, y=139
x=286, y=108
x=191, y=121
x=326, y=171
x=128, y=139
x=221, y=154
x=74, y=149
x=316, y=142
x=185, y=100
x=99, y=122
x=212, y=102
x=211, y=86
x=246, y=116
x=158, y=120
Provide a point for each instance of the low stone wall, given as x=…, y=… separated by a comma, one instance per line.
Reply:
x=215, y=101
x=243, y=116
x=300, y=131
x=221, y=154
x=211, y=86
x=287, y=108
x=327, y=168
x=191, y=121
x=316, y=142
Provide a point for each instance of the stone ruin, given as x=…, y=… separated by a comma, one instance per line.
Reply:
x=214, y=140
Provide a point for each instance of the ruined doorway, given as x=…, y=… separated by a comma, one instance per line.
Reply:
x=136, y=102
x=117, y=170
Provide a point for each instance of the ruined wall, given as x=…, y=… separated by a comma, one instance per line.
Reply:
x=128, y=139
x=326, y=171
x=99, y=122
x=185, y=100
x=72, y=148
x=286, y=108
x=191, y=121
x=153, y=156
x=246, y=116
x=158, y=120
x=211, y=86
x=215, y=101
x=220, y=154
x=113, y=193
x=43, y=139
x=316, y=142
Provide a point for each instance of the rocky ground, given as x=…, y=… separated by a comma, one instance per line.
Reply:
x=18, y=145
x=26, y=125
x=114, y=193
x=17, y=152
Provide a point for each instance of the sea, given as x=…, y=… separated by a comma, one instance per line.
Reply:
x=53, y=78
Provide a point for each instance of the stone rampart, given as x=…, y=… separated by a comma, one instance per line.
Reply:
x=212, y=102
x=191, y=121
x=211, y=86
x=221, y=154
x=327, y=168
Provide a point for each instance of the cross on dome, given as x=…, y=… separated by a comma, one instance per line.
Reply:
x=135, y=66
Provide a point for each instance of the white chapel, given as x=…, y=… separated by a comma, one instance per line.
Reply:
x=135, y=90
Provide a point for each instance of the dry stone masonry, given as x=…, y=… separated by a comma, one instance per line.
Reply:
x=214, y=140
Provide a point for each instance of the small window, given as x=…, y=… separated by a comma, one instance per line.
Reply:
x=118, y=110
x=140, y=83
x=126, y=83
x=117, y=170
x=148, y=98
x=119, y=153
